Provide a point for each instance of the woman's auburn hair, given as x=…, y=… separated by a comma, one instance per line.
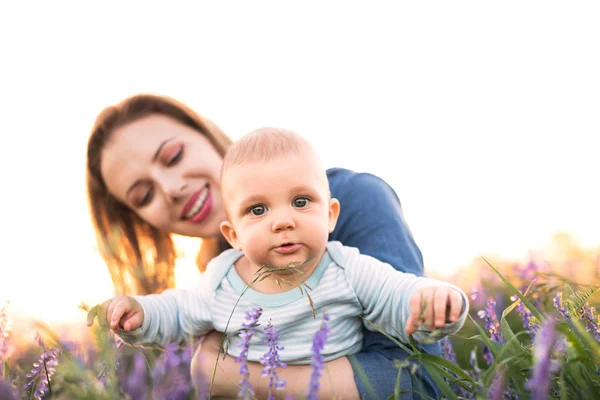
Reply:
x=140, y=258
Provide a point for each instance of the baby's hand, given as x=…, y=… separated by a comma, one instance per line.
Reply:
x=121, y=312
x=433, y=307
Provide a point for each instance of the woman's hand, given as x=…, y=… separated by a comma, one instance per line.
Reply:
x=119, y=313
x=433, y=307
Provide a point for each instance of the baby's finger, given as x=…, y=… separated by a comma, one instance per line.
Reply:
x=414, y=319
x=440, y=304
x=118, y=310
x=427, y=306
x=456, y=305
x=410, y=325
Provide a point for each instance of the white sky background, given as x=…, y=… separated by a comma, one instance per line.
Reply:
x=483, y=117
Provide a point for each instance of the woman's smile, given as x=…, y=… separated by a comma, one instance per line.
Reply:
x=198, y=206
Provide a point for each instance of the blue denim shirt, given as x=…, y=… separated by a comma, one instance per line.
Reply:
x=371, y=220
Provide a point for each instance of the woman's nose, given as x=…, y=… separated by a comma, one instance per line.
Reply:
x=174, y=189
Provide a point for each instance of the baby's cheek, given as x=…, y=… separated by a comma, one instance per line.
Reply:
x=255, y=245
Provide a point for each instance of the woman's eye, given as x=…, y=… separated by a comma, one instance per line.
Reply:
x=258, y=210
x=300, y=202
x=174, y=155
x=144, y=198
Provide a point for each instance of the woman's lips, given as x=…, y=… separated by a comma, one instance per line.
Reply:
x=199, y=206
x=288, y=248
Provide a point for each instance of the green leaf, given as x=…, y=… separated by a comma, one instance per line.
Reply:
x=578, y=299
x=393, y=339
x=434, y=372
x=590, y=341
x=449, y=365
x=536, y=313
x=492, y=345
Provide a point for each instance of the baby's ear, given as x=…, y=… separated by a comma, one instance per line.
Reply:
x=229, y=232
x=334, y=213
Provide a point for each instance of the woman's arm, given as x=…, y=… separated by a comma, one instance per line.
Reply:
x=337, y=381
x=371, y=220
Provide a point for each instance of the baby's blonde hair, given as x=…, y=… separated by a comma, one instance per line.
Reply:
x=263, y=145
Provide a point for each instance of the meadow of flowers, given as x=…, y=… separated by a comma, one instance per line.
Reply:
x=535, y=335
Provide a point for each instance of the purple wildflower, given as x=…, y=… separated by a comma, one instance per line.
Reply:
x=558, y=305
x=492, y=326
x=447, y=350
x=544, y=367
x=134, y=380
x=591, y=321
x=491, y=321
x=8, y=391
x=249, y=327
x=319, y=339
x=478, y=294
x=4, y=333
x=42, y=372
x=529, y=272
x=170, y=380
x=271, y=360
x=496, y=391
x=527, y=317
x=449, y=354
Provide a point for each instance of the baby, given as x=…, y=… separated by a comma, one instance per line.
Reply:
x=279, y=216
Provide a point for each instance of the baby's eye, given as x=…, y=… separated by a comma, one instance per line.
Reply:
x=258, y=210
x=300, y=202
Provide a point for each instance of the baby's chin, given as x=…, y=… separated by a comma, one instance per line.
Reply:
x=295, y=266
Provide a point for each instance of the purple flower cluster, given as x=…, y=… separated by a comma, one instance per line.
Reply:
x=8, y=391
x=591, y=321
x=319, y=340
x=170, y=382
x=248, y=329
x=478, y=295
x=496, y=391
x=42, y=372
x=271, y=360
x=492, y=326
x=133, y=381
x=544, y=366
x=4, y=333
x=447, y=350
x=527, y=318
x=558, y=305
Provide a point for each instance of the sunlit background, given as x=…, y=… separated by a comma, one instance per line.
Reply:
x=483, y=119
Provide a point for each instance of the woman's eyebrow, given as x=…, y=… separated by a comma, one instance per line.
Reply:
x=160, y=147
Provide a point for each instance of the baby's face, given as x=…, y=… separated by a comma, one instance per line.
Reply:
x=280, y=211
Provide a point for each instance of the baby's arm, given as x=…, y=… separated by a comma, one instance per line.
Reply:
x=174, y=316
x=170, y=317
x=386, y=298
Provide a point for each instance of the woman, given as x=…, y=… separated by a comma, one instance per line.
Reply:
x=153, y=170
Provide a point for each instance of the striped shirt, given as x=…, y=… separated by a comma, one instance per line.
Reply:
x=346, y=285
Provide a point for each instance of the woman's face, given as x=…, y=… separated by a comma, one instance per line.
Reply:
x=168, y=174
